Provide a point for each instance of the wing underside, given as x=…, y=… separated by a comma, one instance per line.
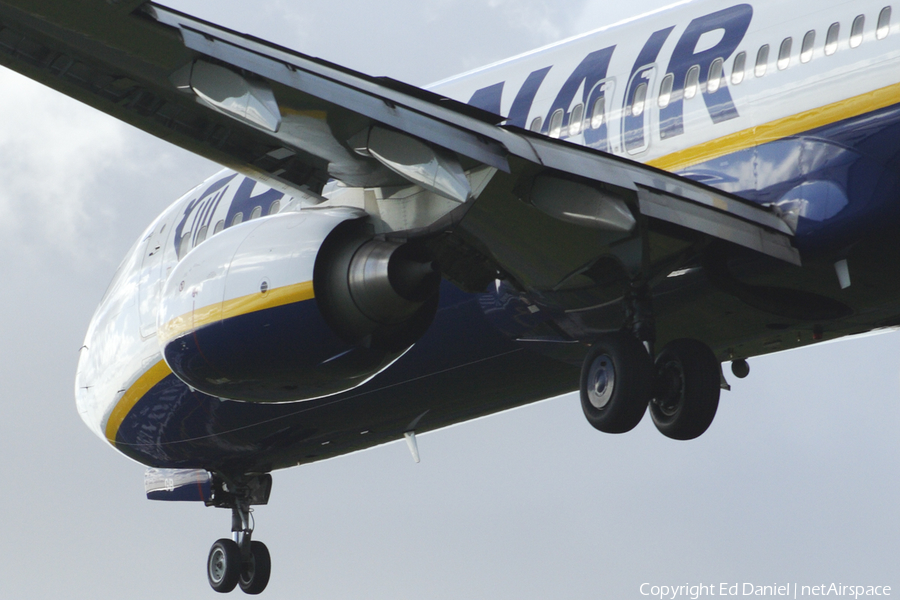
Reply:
x=567, y=225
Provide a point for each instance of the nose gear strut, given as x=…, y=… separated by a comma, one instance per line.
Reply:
x=239, y=560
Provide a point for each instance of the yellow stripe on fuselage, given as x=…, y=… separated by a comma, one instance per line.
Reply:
x=236, y=307
x=145, y=382
x=780, y=128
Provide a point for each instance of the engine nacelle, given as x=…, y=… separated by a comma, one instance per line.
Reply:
x=293, y=307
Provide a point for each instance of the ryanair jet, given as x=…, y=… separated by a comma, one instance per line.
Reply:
x=619, y=213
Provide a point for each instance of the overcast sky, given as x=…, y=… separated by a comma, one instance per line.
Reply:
x=796, y=481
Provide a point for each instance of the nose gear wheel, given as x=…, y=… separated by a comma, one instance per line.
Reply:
x=223, y=567
x=255, y=571
x=240, y=560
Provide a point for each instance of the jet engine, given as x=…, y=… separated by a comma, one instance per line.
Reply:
x=293, y=307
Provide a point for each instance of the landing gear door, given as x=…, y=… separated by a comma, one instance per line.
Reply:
x=150, y=284
x=636, y=116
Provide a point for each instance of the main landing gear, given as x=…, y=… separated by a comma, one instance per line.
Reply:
x=240, y=560
x=619, y=378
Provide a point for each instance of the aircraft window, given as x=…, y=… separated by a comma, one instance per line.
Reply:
x=275, y=207
x=715, y=76
x=806, y=50
x=219, y=226
x=831, y=39
x=536, y=124
x=692, y=82
x=201, y=235
x=856, y=31
x=254, y=214
x=665, y=90
x=784, y=54
x=237, y=219
x=598, y=111
x=884, y=23
x=640, y=97
x=762, y=59
x=576, y=119
x=185, y=244
x=556, y=123
x=737, y=71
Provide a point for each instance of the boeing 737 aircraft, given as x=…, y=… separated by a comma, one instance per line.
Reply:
x=619, y=213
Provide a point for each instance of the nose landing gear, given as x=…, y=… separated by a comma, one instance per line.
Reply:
x=240, y=560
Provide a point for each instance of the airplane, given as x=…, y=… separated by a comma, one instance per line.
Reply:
x=618, y=214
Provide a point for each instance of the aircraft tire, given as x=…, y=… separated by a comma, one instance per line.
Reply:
x=687, y=389
x=255, y=573
x=616, y=383
x=223, y=567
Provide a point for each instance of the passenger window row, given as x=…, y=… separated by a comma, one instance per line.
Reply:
x=185, y=243
x=715, y=76
x=807, y=46
x=579, y=120
x=595, y=115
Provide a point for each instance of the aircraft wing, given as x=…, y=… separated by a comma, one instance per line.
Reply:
x=557, y=219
